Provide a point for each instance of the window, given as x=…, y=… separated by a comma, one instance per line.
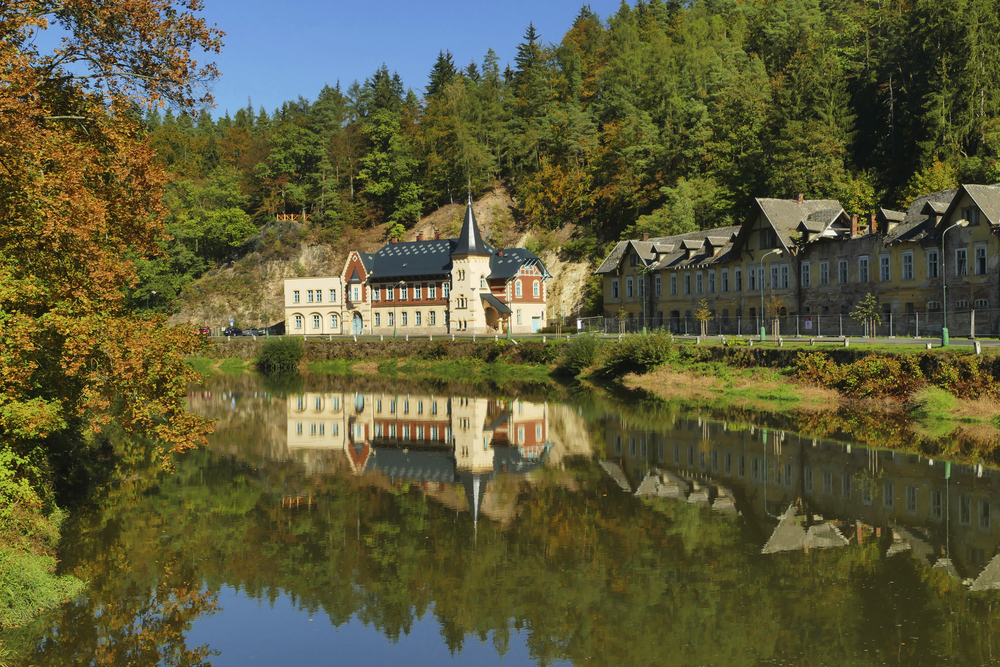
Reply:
x=699, y=285
x=376, y=293
x=535, y=288
x=961, y=261
x=888, y=494
x=673, y=284
x=518, y=315
x=315, y=321
x=404, y=293
x=965, y=511
x=333, y=296
x=298, y=321
x=482, y=282
x=866, y=491
x=631, y=445
x=687, y=283
x=690, y=456
x=309, y=296
x=911, y=499
x=774, y=277
x=614, y=288
x=295, y=296
x=907, y=266
x=711, y=282
x=937, y=504
x=391, y=319
x=933, y=305
x=741, y=465
x=727, y=463
x=884, y=269
x=319, y=296
x=828, y=483
x=842, y=271
x=767, y=239
x=982, y=303
x=431, y=319
x=932, y=263
x=378, y=319
x=845, y=486
x=784, y=276
x=416, y=318
x=752, y=280
x=357, y=293
x=807, y=478
x=417, y=291
x=402, y=318
x=446, y=290
x=961, y=304
x=984, y=514
x=725, y=280
x=715, y=461
x=657, y=285
x=971, y=213
x=642, y=286
x=432, y=291
x=824, y=273
x=390, y=293
x=738, y=276
x=980, y=251
x=805, y=278
x=629, y=290
x=862, y=269
x=333, y=321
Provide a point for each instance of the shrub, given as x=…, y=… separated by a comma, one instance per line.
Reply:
x=532, y=352
x=580, y=354
x=280, y=355
x=639, y=353
x=819, y=368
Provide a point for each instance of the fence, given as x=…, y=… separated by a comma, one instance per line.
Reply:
x=980, y=323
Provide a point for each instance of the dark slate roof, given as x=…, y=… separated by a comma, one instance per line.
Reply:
x=786, y=214
x=987, y=197
x=355, y=278
x=892, y=216
x=496, y=303
x=470, y=241
x=507, y=265
x=614, y=257
x=411, y=259
x=704, y=251
x=918, y=224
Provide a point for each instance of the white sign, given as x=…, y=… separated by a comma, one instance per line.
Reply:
x=230, y=321
x=809, y=324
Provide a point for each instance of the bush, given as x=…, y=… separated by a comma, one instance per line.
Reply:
x=580, y=353
x=639, y=353
x=532, y=352
x=280, y=355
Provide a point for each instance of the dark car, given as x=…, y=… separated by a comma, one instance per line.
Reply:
x=205, y=331
x=232, y=332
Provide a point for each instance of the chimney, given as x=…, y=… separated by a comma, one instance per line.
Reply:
x=645, y=237
x=854, y=226
x=800, y=198
x=437, y=235
x=420, y=236
x=500, y=253
x=393, y=240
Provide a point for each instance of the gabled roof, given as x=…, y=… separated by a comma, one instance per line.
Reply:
x=412, y=259
x=918, y=224
x=784, y=216
x=470, y=241
x=892, y=216
x=707, y=246
x=496, y=303
x=987, y=198
x=507, y=265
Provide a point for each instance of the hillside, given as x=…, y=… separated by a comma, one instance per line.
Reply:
x=251, y=286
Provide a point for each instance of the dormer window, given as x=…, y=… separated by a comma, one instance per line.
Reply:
x=767, y=239
x=971, y=214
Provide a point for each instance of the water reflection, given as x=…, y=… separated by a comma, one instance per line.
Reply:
x=390, y=514
x=801, y=492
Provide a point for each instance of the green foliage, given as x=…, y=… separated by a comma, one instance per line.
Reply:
x=581, y=353
x=28, y=583
x=280, y=355
x=638, y=353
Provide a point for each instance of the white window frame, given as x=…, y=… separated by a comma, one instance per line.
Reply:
x=333, y=321
x=884, y=268
x=298, y=321
x=536, y=287
x=378, y=320
x=629, y=287
x=658, y=285
x=711, y=281
x=295, y=296
x=687, y=283
x=725, y=280
x=614, y=288
x=785, y=276
x=431, y=318
x=961, y=261
x=673, y=284
x=316, y=322
x=699, y=283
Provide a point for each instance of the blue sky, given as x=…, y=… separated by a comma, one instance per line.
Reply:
x=276, y=51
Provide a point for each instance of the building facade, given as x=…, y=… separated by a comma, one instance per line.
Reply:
x=427, y=286
x=811, y=262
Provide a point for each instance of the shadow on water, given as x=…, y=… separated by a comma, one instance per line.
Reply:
x=514, y=520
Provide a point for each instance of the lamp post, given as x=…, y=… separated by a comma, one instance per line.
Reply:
x=147, y=298
x=944, y=284
x=402, y=285
x=763, y=330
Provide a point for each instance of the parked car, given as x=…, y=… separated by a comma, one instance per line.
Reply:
x=231, y=331
x=205, y=331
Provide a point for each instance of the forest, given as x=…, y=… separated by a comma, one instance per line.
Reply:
x=665, y=117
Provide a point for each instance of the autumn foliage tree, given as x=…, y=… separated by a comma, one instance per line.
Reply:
x=79, y=192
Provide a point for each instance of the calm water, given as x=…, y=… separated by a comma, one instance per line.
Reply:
x=364, y=523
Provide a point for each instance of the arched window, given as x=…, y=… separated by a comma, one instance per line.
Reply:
x=482, y=282
x=378, y=320
x=535, y=288
x=391, y=319
x=517, y=288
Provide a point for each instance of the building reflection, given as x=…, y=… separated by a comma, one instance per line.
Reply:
x=440, y=442
x=801, y=492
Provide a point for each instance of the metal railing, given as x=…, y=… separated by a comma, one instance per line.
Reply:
x=979, y=323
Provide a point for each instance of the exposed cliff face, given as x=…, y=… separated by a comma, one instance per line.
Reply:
x=250, y=290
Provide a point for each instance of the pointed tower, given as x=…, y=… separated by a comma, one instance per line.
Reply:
x=470, y=261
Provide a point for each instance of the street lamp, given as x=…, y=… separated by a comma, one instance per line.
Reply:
x=760, y=276
x=944, y=284
x=147, y=298
x=402, y=285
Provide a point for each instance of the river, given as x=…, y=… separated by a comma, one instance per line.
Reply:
x=363, y=522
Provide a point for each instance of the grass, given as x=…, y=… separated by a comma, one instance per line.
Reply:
x=201, y=364
x=235, y=366
x=917, y=347
x=330, y=367
x=28, y=585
